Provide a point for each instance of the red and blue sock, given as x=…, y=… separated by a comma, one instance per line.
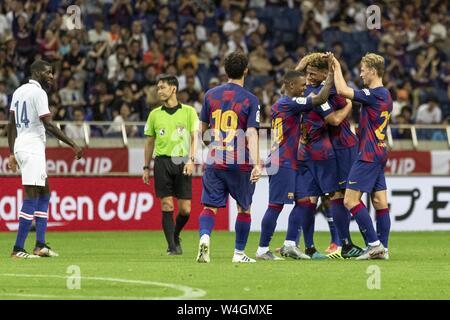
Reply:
x=269, y=223
x=295, y=223
x=25, y=220
x=383, y=225
x=364, y=221
x=242, y=228
x=206, y=220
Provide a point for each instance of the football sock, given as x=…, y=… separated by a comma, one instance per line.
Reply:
x=41, y=217
x=363, y=219
x=168, y=227
x=180, y=223
x=341, y=218
x=269, y=223
x=383, y=226
x=242, y=228
x=332, y=225
x=295, y=222
x=25, y=220
x=206, y=221
x=309, y=219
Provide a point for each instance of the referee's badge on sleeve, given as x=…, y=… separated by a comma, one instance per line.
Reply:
x=162, y=131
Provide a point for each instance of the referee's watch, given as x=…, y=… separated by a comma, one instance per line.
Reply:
x=146, y=168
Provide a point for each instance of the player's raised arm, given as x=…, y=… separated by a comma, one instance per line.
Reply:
x=57, y=133
x=339, y=81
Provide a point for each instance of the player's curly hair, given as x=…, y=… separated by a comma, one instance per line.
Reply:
x=372, y=60
x=317, y=60
x=235, y=64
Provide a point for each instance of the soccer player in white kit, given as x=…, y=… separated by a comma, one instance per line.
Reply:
x=29, y=120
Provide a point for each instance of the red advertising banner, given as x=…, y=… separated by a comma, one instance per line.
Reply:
x=408, y=162
x=99, y=204
x=95, y=161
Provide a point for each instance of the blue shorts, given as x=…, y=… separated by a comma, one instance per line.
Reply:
x=367, y=177
x=316, y=178
x=218, y=184
x=282, y=186
x=345, y=159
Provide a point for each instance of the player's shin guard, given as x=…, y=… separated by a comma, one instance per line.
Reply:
x=364, y=221
x=25, y=220
x=269, y=223
x=242, y=228
x=295, y=223
x=383, y=225
x=341, y=218
x=206, y=221
x=332, y=225
x=308, y=221
x=41, y=218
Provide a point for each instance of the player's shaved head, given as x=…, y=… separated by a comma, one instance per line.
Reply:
x=236, y=64
x=294, y=83
x=39, y=66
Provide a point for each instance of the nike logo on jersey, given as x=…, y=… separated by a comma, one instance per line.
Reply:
x=352, y=182
x=342, y=182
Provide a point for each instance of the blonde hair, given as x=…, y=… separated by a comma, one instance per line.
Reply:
x=317, y=60
x=372, y=60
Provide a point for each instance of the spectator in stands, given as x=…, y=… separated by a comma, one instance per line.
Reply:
x=114, y=35
x=121, y=12
x=186, y=57
x=309, y=26
x=121, y=117
x=76, y=61
x=3, y=127
x=401, y=133
x=259, y=63
x=252, y=22
x=429, y=113
x=233, y=24
x=212, y=46
x=154, y=57
x=49, y=46
x=201, y=32
x=213, y=82
x=188, y=71
x=71, y=95
x=3, y=96
x=98, y=33
x=76, y=129
x=191, y=90
x=135, y=54
x=116, y=63
x=138, y=35
x=401, y=101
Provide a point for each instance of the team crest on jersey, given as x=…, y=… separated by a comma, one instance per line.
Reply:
x=181, y=130
x=290, y=195
x=300, y=100
x=162, y=131
x=325, y=106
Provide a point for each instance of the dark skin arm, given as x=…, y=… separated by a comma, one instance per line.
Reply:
x=12, y=134
x=57, y=133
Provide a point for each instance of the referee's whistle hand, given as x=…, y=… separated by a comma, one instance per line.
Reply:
x=188, y=169
x=145, y=177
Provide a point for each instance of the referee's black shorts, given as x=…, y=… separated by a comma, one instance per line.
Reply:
x=170, y=180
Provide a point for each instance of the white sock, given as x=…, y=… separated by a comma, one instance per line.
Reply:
x=236, y=251
x=204, y=238
x=288, y=243
x=374, y=244
x=262, y=250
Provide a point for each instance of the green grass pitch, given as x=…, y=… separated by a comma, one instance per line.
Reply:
x=133, y=265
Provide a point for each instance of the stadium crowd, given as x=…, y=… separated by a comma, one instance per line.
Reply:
x=106, y=70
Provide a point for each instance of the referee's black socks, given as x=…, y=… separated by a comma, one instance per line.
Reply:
x=180, y=223
x=168, y=227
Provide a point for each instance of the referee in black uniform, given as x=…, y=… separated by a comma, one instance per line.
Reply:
x=171, y=132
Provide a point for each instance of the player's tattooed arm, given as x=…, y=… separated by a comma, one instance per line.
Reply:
x=57, y=133
x=339, y=81
x=12, y=134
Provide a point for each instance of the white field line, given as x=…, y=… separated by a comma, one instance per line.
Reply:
x=188, y=292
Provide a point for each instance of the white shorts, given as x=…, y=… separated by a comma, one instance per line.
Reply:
x=32, y=167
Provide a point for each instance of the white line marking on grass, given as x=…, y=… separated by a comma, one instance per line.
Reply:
x=188, y=292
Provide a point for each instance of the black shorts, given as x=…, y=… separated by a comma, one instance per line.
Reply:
x=170, y=180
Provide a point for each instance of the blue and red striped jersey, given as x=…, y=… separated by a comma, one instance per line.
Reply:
x=230, y=110
x=374, y=117
x=315, y=143
x=286, y=130
x=341, y=136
